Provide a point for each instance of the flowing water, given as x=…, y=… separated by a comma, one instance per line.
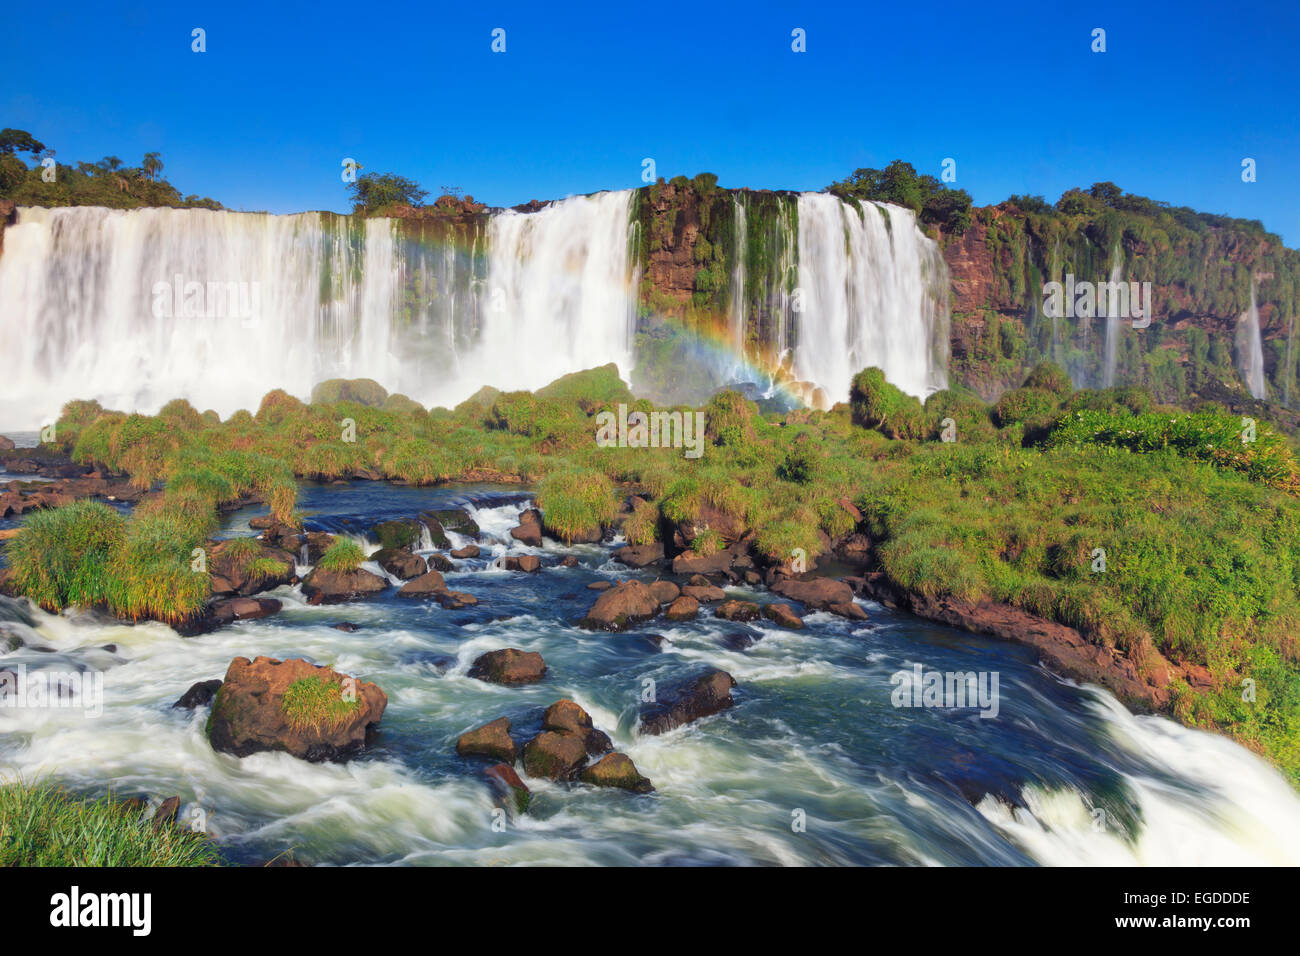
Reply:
x=1250, y=349
x=136, y=308
x=1062, y=775
x=1114, y=321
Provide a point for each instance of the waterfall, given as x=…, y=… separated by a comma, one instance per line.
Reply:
x=873, y=291
x=1113, y=319
x=1250, y=348
x=135, y=308
x=736, y=318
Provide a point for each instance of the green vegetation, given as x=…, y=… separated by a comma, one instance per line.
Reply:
x=108, y=182
x=341, y=556
x=898, y=183
x=311, y=703
x=43, y=825
x=1006, y=503
x=373, y=193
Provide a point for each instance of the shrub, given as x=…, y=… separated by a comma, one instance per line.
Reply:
x=1050, y=377
x=1027, y=406
x=62, y=555
x=364, y=391
x=878, y=404
x=341, y=556
x=642, y=525
x=576, y=501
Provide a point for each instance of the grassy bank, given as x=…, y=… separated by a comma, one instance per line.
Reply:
x=43, y=825
x=1156, y=531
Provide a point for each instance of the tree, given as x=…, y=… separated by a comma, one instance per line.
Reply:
x=19, y=141
x=898, y=183
x=374, y=191
x=152, y=164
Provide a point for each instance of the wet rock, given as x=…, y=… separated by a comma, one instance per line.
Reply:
x=401, y=564
x=305, y=547
x=685, y=608
x=404, y=534
x=233, y=573
x=166, y=815
x=621, y=607
x=639, y=555
x=705, y=594
x=243, y=609
x=469, y=551
x=199, y=695
x=455, y=600
x=528, y=563
x=529, y=529
x=491, y=740
x=707, y=694
x=439, y=562
x=665, y=592
x=600, y=585
x=262, y=522
x=567, y=717
x=783, y=616
x=509, y=666
x=555, y=756
x=425, y=586
x=568, y=561
x=734, y=610
x=248, y=713
x=688, y=562
x=739, y=640
x=616, y=770
x=346, y=626
x=337, y=587
x=848, y=609
x=512, y=793
x=819, y=593
x=452, y=519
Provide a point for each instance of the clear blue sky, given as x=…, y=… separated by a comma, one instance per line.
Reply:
x=585, y=91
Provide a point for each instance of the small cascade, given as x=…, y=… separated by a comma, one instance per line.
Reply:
x=1250, y=349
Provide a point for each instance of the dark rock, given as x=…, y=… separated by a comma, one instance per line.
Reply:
x=263, y=570
x=346, y=626
x=455, y=600
x=688, y=562
x=199, y=695
x=555, y=756
x=454, y=520
x=439, y=562
x=529, y=529
x=509, y=666
x=400, y=563
x=739, y=640
x=491, y=740
x=568, y=561
x=699, y=698
x=600, y=585
x=401, y=534
x=819, y=593
x=528, y=563
x=166, y=815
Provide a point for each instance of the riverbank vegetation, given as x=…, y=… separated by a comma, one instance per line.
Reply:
x=1167, y=535
x=43, y=825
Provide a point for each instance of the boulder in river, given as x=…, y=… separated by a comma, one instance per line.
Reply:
x=704, y=593
x=469, y=551
x=528, y=563
x=819, y=593
x=449, y=519
x=491, y=740
x=509, y=666
x=622, y=606
x=199, y=695
x=400, y=563
x=555, y=756
x=311, y=712
x=512, y=792
x=639, y=555
x=616, y=770
x=243, y=609
x=688, y=562
x=665, y=592
x=705, y=695
x=685, y=608
x=783, y=616
x=426, y=585
x=245, y=566
x=734, y=610
x=529, y=529
x=336, y=587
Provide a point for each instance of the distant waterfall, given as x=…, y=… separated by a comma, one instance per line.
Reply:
x=736, y=320
x=135, y=308
x=1250, y=349
x=873, y=292
x=1113, y=320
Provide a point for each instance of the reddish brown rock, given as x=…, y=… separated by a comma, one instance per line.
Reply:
x=337, y=587
x=528, y=563
x=734, y=610
x=639, y=555
x=819, y=593
x=509, y=666
x=554, y=756
x=621, y=607
x=529, y=529
x=685, y=608
x=248, y=714
x=400, y=563
x=231, y=574
x=783, y=615
x=616, y=770
x=705, y=594
x=426, y=585
x=469, y=551
x=491, y=740
x=665, y=592
x=512, y=793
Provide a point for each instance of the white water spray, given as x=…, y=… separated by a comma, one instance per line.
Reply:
x=1250, y=349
